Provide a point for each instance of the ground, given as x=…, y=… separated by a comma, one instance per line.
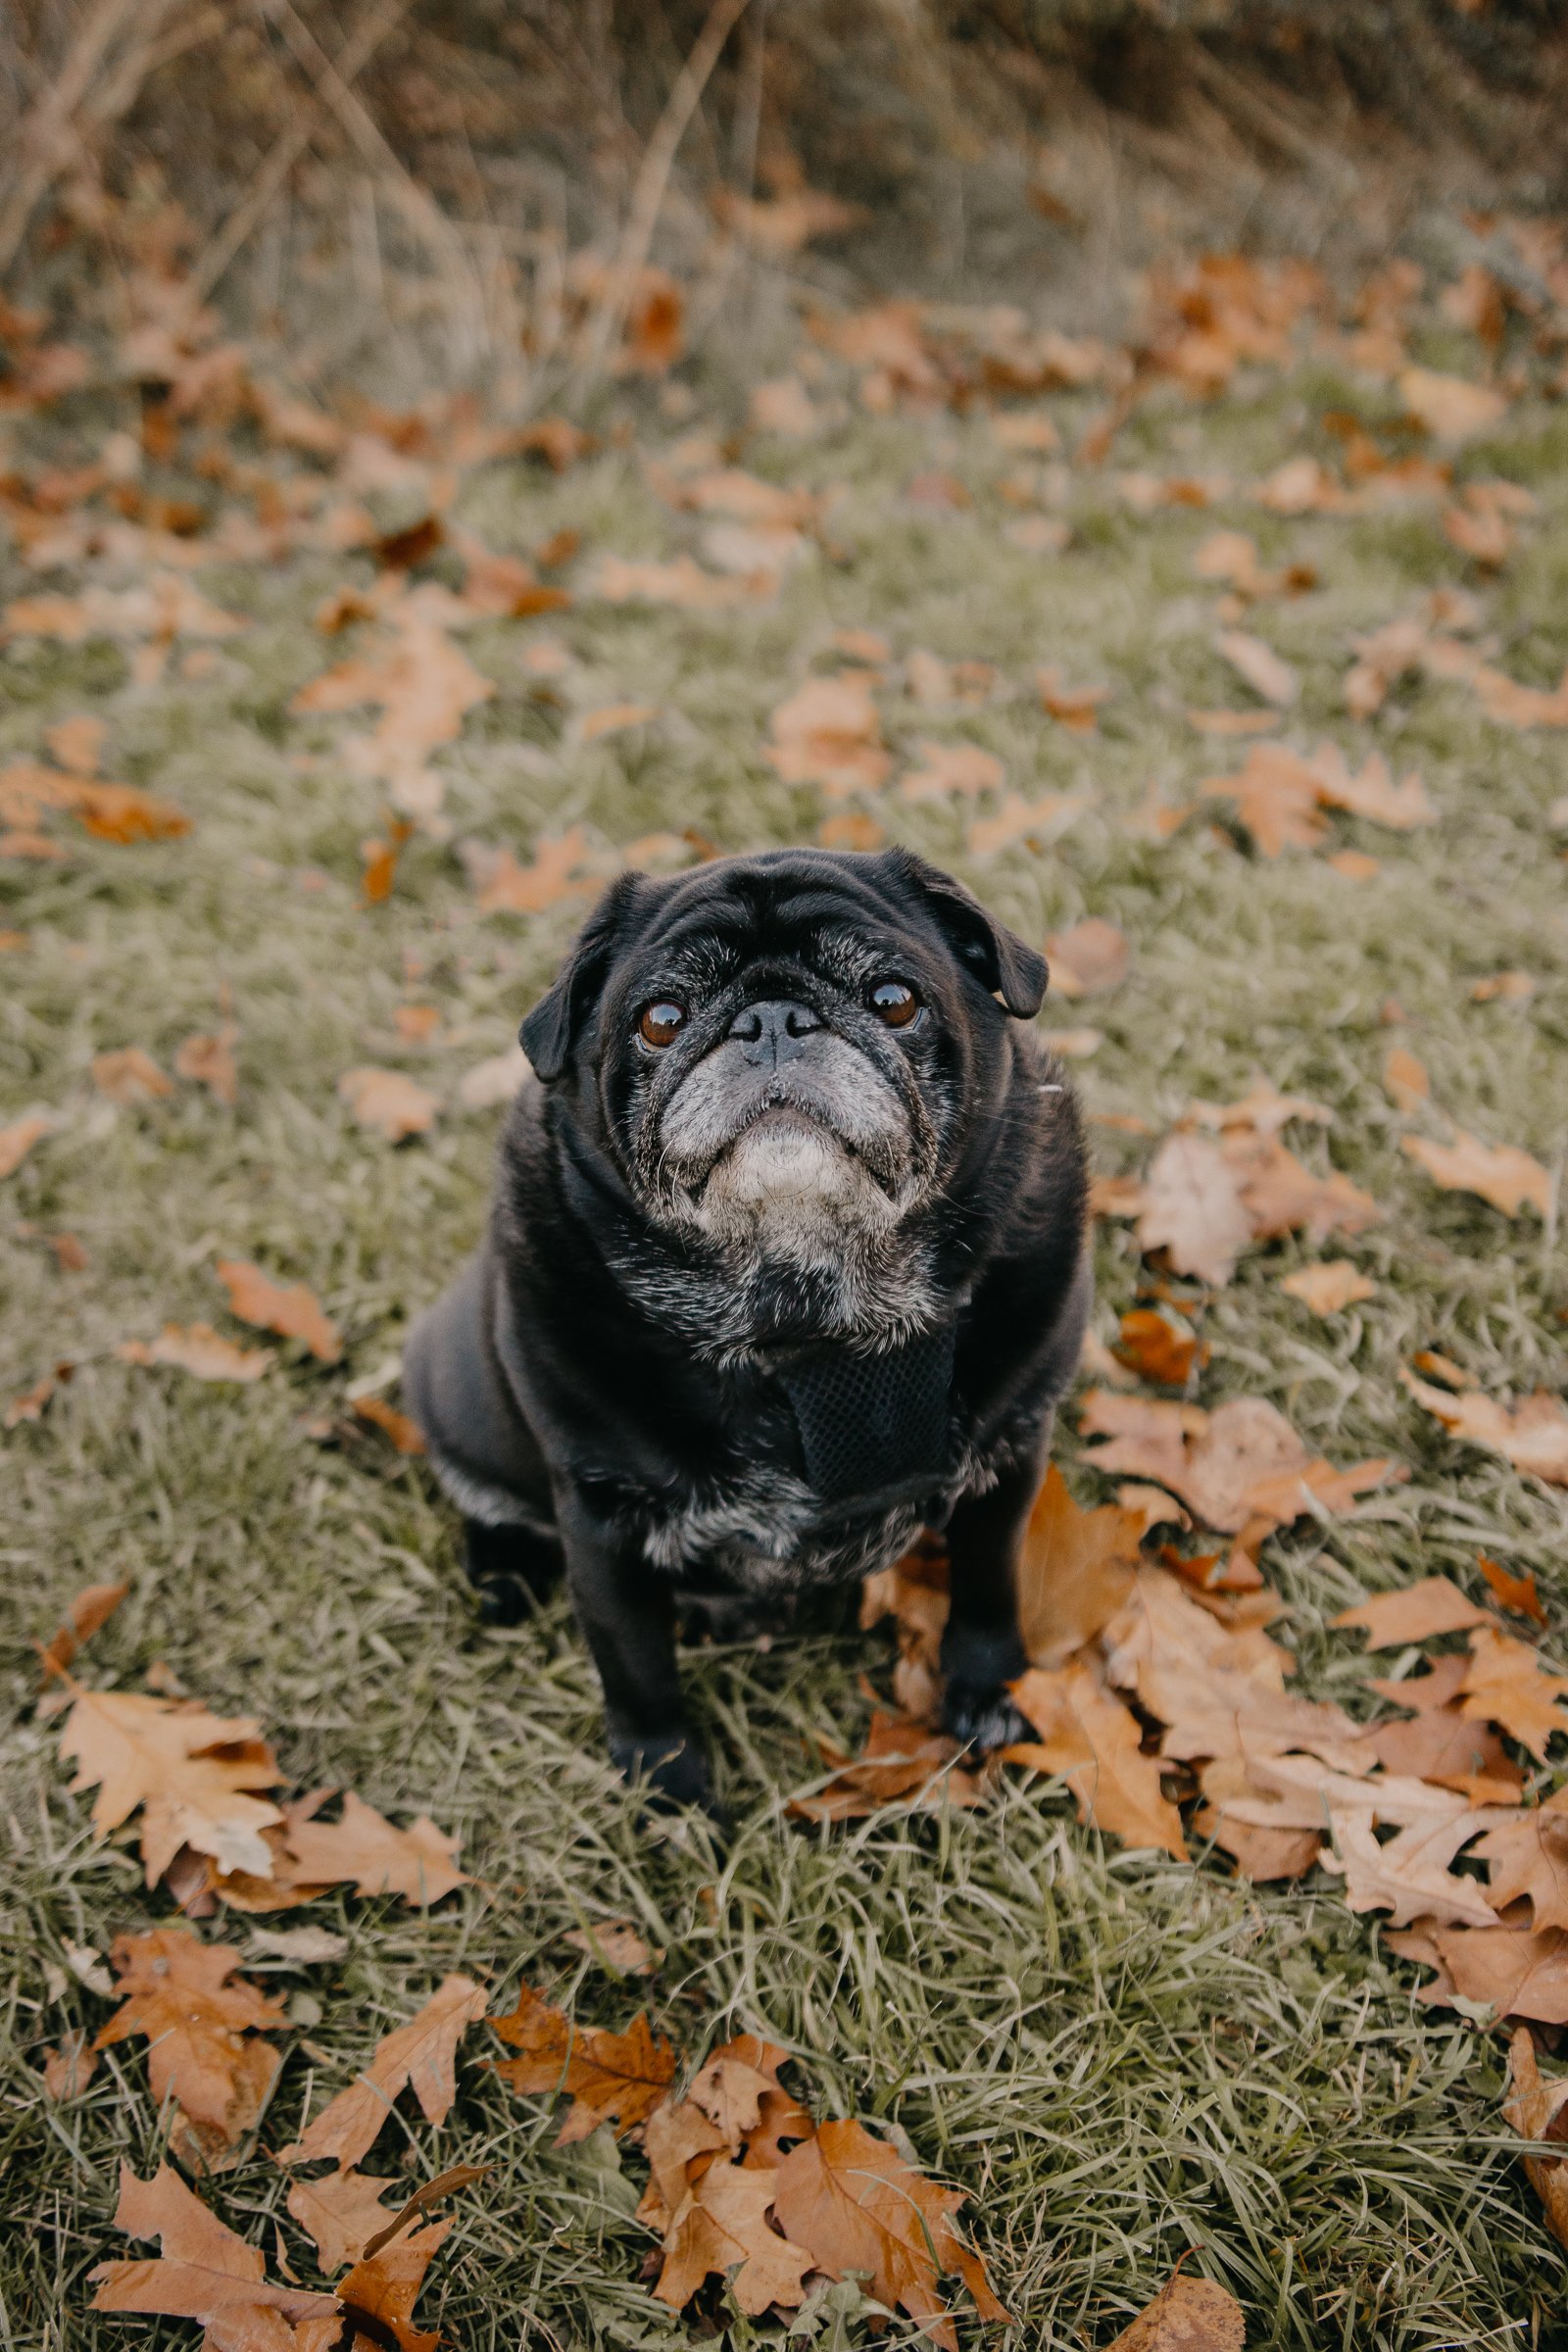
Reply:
x=1118, y=2057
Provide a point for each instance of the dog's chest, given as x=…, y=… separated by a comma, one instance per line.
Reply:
x=765, y=1532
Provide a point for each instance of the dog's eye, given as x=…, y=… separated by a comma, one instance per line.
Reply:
x=893, y=1001
x=662, y=1023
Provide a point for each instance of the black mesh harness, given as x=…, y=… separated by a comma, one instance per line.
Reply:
x=875, y=1428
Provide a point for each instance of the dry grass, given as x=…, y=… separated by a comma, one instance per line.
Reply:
x=1118, y=2057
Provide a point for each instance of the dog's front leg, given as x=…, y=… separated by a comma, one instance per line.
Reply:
x=626, y=1611
x=982, y=1647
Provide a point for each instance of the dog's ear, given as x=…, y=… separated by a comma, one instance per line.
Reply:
x=1006, y=965
x=551, y=1031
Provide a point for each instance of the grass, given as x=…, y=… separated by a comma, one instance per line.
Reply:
x=1118, y=2057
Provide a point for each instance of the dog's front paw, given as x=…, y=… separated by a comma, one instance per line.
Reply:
x=983, y=1715
x=670, y=1768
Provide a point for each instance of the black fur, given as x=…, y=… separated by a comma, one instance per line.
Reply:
x=586, y=1389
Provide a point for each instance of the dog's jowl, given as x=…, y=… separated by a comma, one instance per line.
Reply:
x=787, y=1259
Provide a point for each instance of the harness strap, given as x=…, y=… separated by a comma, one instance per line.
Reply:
x=872, y=1422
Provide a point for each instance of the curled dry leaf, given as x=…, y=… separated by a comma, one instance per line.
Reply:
x=722, y=2226
x=1329, y=1286
x=1508, y=1178
x=420, y=2055
x=193, y=1774
x=200, y=2021
x=292, y=1311
x=1535, y=2110
x=388, y=1103
x=1237, y=1468
x=1094, y=1742
x=197, y=1348
x=406, y=1434
x=1531, y=1435
x=361, y=1849
x=92, y=1608
x=854, y=2204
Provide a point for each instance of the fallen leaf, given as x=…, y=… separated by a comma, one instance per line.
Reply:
x=1533, y=1435
x=192, y=1773
x=612, y=2077
x=1329, y=1286
x=199, y=1349
x=902, y=1762
x=1075, y=706
x=1516, y=1593
x=1513, y=988
x=853, y=2204
x=782, y=406
x=406, y=1434
x=1514, y=706
x=1527, y=1856
x=1504, y=1175
x=1416, y=1613
x=1507, y=1684
x=205, y=2272
x=1535, y=2108
x=1075, y=1569
x=507, y=887
x=1276, y=796
x=1239, y=1465
x=1408, y=1875
x=341, y=2212
x=77, y=744
x=69, y=2066
x=961, y=768
x=30, y=1405
x=1438, y=1744
x=1516, y=1971
x=91, y=1609
x=1282, y=1196
x=378, y=2295
x=365, y=1850
x=1188, y=2315
x=209, y=1060
x=20, y=1138
x=495, y=1080
x=1038, y=822
x=683, y=584
x=1157, y=1350
x=1087, y=960
x=1090, y=1740
x=722, y=2226
x=1260, y=666
x=828, y=732
x=851, y=829
x=1406, y=1079
x=388, y=1103
x=1402, y=808
x=1261, y=1111
x=423, y=684
x=616, y=1944
x=420, y=2055
x=293, y=1312
x=301, y=1948
x=612, y=719
x=177, y=1992
x=1450, y=408
x=129, y=1076
x=1191, y=1208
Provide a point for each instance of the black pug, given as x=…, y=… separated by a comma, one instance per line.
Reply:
x=787, y=1259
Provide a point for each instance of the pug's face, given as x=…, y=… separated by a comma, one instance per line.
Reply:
x=785, y=1049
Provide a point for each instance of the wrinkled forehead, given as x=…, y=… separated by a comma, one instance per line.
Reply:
x=722, y=921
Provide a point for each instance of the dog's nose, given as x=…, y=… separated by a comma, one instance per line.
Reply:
x=774, y=1031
